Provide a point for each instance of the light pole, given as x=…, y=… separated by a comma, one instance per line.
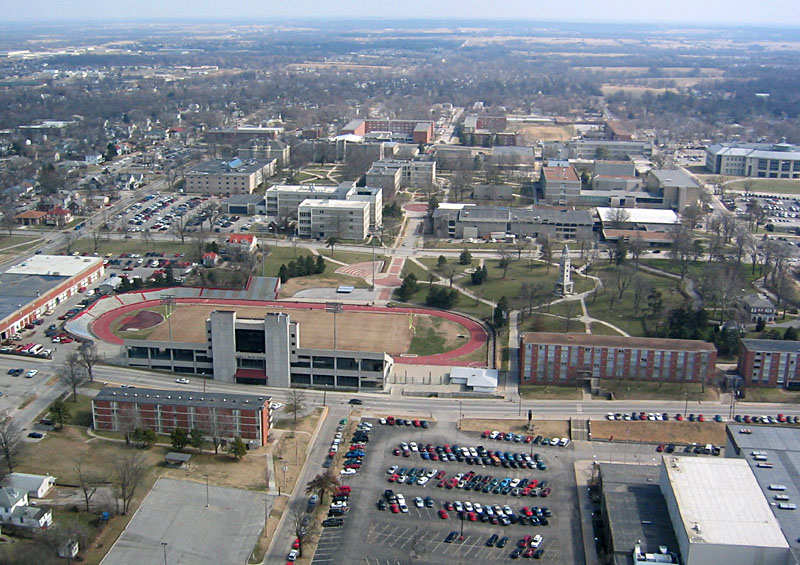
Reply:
x=686, y=405
x=519, y=411
x=460, y=415
x=334, y=308
x=284, y=468
x=168, y=301
x=206, y=476
x=164, y=545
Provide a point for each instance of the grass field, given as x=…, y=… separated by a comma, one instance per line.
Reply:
x=648, y=390
x=23, y=242
x=550, y=324
x=622, y=315
x=329, y=279
x=660, y=432
x=602, y=329
x=351, y=257
x=551, y=428
x=133, y=245
x=534, y=274
x=434, y=335
x=769, y=395
x=419, y=272
x=695, y=270
x=766, y=186
x=544, y=392
x=278, y=256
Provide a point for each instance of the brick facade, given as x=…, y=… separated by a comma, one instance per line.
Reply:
x=769, y=362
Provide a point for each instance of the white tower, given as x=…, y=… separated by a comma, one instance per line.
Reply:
x=564, y=282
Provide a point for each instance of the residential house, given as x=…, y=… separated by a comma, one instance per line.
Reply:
x=210, y=259
x=15, y=510
x=58, y=217
x=31, y=218
x=242, y=243
x=758, y=308
x=37, y=486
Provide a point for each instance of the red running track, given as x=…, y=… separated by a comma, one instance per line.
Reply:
x=478, y=337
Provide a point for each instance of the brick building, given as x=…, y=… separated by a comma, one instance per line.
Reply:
x=217, y=414
x=550, y=358
x=769, y=362
x=416, y=131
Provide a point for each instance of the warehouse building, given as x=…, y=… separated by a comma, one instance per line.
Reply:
x=38, y=284
x=219, y=415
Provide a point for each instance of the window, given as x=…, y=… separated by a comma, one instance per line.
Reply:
x=323, y=362
x=250, y=341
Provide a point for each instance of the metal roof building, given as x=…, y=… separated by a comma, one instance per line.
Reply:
x=719, y=513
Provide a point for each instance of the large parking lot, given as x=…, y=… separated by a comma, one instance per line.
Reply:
x=371, y=535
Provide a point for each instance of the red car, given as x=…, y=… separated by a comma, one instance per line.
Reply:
x=486, y=434
x=393, y=478
x=448, y=505
x=472, y=517
x=441, y=474
x=533, y=483
x=406, y=454
x=443, y=514
x=679, y=417
x=440, y=484
x=529, y=552
x=395, y=509
x=396, y=451
x=527, y=511
x=344, y=490
x=545, y=492
x=528, y=439
x=296, y=543
x=660, y=448
x=524, y=541
x=700, y=418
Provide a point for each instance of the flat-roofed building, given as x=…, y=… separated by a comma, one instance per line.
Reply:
x=40, y=283
x=770, y=362
x=284, y=199
x=676, y=186
x=344, y=219
x=561, y=185
x=239, y=134
x=221, y=177
x=221, y=415
x=760, y=160
x=550, y=358
x=266, y=150
x=719, y=513
x=608, y=150
x=412, y=174
x=416, y=131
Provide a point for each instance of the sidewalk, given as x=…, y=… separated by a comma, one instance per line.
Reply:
x=583, y=473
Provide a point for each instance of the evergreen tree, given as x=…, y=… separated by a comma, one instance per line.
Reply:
x=790, y=334
x=283, y=274
x=465, y=258
x=179, y=438
x=441, y=262
x=320, y=267
x=237, y=448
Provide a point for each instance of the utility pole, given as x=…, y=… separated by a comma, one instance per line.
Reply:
x=334, y=308
x=168, y=301
x=206, y=476
x=164, y=545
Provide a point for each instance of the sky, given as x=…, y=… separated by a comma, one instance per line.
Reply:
x=784, y=13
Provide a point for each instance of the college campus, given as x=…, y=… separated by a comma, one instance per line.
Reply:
x=333, y=291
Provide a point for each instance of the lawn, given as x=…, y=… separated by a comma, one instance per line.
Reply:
x=766, y=186
x=623, y=316
x=419, y=272
x=550, y=428
x=660, y=432
x=133, y=245
x=695, y=270
x=544, y=392
x=650, y=390
x=329, y=279
x=278, y=256
x=351, y=257
x=602, y=329
x=754, y=394
x=7, y=242
x=534, y=274
x=544, y=323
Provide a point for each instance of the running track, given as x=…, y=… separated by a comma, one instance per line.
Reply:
x=101, y=327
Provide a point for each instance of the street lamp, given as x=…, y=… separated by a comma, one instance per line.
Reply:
x=686, y=405
x=164, y=545
x=206, y=476
x=168, y=301
x=284, y=468
x=460, y=415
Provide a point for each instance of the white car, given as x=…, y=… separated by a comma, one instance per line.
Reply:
x=403, y=446
x=536, y=541
x=403, y=508
x=182, y=381
x=514, y=483
x=292, y=555
x=422, y=481
x=610, y=416
x=413, y=445
x=392, y=470
x=276, y=405
x=478, y=507
x=564, y=442
x=431, y=473
x=468, y=506
x=339, y=504
x=347, y=472
x=494, y=435
x=418, y=502
x=382, y=421
x=458, y=506
x=31, y=373
x=400, y=498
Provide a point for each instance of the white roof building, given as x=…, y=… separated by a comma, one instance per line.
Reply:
x=639, y=216
x=54, y=265
x=720, y=514
x=479, y=380
x=35, y=485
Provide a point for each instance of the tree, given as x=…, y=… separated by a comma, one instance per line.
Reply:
x=640, y=287
x=72, y=373
x=320, y=265
x=655, y=303
x=198, y=241
x=237, y=448
x=295, y=402
x=197, y=439
x=179, y=438
x=441, y=262
x=60, y=413
x=623, y=276
x=10, y=444
x=439, y=297
x=478, y=276
x=323, y=483
x=449, y=272
x=521, y=244
x=465, y=258
x=546, y=251
x=88, y=481
x=618, y=217
x=408, y=287
x=89, y=356
x=283, y=273
x=331, y=242
x=128, y=473
x=433, y=204
x=505, y=260
x=180, y=227
x=299, y=527
x=143, y=437
x=681, y=248
x=500, y=312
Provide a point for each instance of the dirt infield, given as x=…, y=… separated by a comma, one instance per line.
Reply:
x=143, y=320
x=370, y=328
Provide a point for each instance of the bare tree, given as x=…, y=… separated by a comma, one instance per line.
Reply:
x=10, y=444
x=681, y=249
x=129, y=472
x=8, y=210
x=619, y=217
x=505, y=259
x=520, y=245
x=89, y=356
x=212, y=212
x=636, y=248
x=301, y=527
x=640, y=288
x=449, y=271
x=88, y=481
x=127, y=420
x=623, y=277
x=743, y=240
x=180, y=227
x=198, y=239
x=546, y=251
x=295, y=402
x=72, y=373
x=96, y=235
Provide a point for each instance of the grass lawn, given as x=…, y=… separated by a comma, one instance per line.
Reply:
x=80, y=412
x=754, y=394
x=430, y=262
x=434, y=335
x=133, y=245
x=544, y=323
x=278, y=256
x=550, y=428
x=465, y=304
x=21, y=240
x=649, y=390
x=329, y=279
x=660, y=432
x=419, y=272
x=766, y=186
x=518, y=272
x=350, y=257
x=696, y=269
x=544, y=392
x=622, y=315
x=602, y=329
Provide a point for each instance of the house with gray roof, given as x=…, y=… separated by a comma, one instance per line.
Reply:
x=758, y=308
x=15, y=510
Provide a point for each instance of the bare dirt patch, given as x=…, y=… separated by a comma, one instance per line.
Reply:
x=145, y=319
x=659, y=432
x=546, y=132
x=550, y=428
